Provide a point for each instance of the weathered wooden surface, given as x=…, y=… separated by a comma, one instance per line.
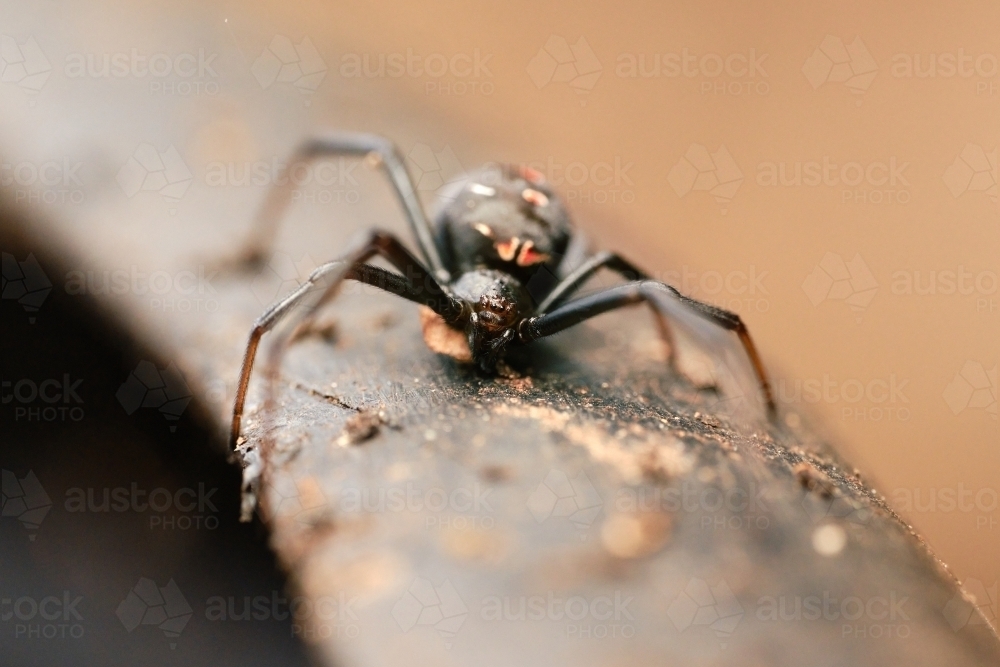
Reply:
x=593, y=476
x=596, y=477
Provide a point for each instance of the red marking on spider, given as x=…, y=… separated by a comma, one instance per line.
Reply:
x=529, y=256
x=531, y=175
x=507, y=249
x=535, y=197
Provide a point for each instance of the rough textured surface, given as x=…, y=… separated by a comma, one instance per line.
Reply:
x=461, y=519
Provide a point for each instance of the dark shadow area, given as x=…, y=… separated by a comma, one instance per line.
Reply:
x=119, y=535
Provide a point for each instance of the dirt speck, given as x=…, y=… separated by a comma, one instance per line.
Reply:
x=814, y=480
x=360, y=427
x=496, y=474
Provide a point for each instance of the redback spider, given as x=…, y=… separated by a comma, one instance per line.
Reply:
x=499, y=266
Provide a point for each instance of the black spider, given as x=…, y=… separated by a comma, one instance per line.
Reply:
x=500, y=263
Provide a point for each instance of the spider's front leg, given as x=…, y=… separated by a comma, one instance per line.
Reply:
x=583, y=271
x=416, y=284
x=692, y=314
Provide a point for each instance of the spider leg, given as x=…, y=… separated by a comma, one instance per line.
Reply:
x=576, y=277
x=265, y=225
x=577, y=252
x=416, y=285
x=690, y=313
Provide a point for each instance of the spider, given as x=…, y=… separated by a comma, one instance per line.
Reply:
x=499, y=267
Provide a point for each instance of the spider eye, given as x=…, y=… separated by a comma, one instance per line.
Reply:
x=485, y=230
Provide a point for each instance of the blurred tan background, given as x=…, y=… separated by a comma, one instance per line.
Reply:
x=828, y=171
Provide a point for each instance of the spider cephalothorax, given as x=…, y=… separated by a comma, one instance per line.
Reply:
x=497, y=271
